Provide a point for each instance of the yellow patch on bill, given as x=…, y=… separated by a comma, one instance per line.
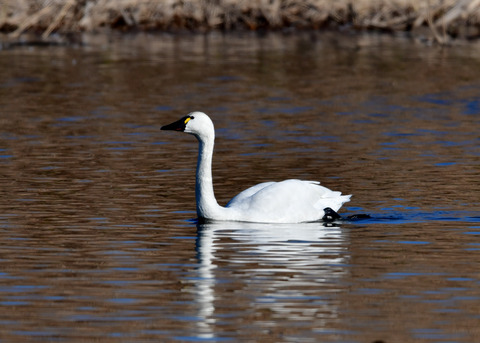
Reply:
x=187, y=120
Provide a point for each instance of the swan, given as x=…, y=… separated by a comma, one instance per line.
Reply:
x=289, y=201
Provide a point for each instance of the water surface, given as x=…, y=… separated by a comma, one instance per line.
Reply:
x=97, y=205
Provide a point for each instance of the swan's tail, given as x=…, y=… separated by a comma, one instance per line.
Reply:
x=336, y=202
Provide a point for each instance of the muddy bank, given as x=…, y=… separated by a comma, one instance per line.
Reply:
x=436, y=20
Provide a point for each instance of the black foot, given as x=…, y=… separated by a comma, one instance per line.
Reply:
x=330, y=215
x=359, y=216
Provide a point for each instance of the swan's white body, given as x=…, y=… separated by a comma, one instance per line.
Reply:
x=289, y=201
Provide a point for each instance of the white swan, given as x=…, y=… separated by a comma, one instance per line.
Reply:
x=289, y=201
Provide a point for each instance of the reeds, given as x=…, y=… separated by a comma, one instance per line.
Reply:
x=443, y=18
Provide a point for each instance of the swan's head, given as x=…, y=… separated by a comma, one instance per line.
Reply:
x=195, y=123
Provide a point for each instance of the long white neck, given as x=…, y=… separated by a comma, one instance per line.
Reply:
x=207, y=206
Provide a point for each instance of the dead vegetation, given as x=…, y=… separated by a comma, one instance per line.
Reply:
x=441, y=19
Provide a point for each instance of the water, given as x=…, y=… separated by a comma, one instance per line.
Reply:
x=97, y=229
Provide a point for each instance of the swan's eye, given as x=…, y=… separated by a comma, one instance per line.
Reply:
x=192, y=117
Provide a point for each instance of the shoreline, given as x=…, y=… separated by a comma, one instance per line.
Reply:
x=436, y=21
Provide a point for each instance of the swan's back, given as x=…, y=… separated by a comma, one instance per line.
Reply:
x=240, y=197
x=289, y=201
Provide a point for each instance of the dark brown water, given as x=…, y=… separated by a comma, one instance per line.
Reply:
x=98, y=241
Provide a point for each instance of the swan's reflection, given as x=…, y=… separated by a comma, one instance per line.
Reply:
x=283, y=268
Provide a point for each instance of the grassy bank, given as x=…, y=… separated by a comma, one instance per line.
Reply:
x=440, y=20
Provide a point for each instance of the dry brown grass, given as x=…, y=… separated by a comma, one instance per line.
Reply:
x=443, y=18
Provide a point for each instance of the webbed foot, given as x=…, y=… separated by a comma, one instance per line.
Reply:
x=330, y=215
